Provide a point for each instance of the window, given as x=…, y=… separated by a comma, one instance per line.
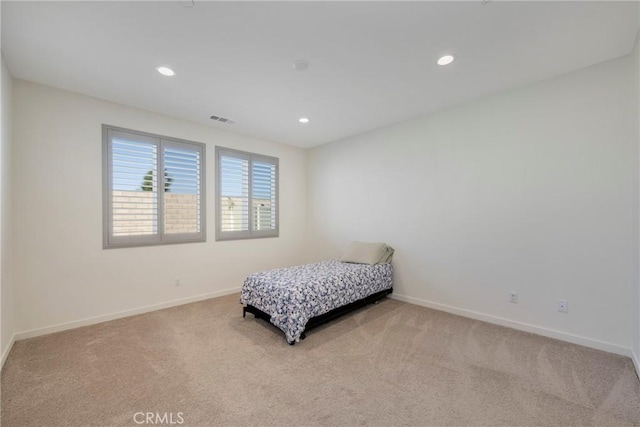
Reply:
x=247, y=195
x=136, y=166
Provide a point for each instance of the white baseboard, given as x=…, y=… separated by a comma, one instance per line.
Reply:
x=106, y=317
x=526, y=327
x=7, y=350
x=636, y=362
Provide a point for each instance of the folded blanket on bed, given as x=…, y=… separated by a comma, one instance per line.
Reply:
x=387, y=256
x=368, y=253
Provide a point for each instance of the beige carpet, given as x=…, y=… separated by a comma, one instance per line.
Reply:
x=388, y=364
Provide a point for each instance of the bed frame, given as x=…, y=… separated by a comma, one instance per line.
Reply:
x=323, y=318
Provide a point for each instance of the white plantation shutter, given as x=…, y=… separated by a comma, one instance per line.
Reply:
x=264, y=196
x=234, y=196
x=182, y=197
x=247, y=195
x=153, y=189
x=135, y=201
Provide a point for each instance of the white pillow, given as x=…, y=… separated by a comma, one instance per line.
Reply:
x=363, y=253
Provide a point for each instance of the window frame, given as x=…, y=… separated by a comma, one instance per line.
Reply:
x=110, y=241
x=250, y=233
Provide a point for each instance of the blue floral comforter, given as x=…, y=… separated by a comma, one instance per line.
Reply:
x=292, y=296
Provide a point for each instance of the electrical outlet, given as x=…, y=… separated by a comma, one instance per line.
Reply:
x=178, y=283
x=563, y=306
x=513, y=297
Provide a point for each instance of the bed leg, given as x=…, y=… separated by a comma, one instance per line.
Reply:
x=303, y=336
x=244, y=312
x=292, y=343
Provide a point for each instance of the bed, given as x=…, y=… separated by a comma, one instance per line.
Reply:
x=299, y=298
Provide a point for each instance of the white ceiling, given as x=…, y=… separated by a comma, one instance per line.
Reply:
x=371, y=63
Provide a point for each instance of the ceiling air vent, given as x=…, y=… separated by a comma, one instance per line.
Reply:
x=222, y=120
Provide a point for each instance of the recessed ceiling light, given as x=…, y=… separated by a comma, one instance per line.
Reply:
x=303, y=120
x=301, y=65
x=166, y=71
x=446, y=60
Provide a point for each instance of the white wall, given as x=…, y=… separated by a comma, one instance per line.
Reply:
x=62, y=274
x=636, y=287
x=6, y=299
x=530, y=190
x=533, y=190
